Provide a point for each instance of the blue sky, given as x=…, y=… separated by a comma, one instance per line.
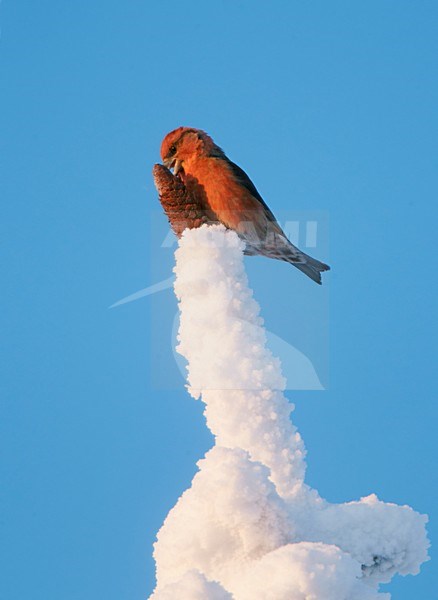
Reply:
x=329, y=107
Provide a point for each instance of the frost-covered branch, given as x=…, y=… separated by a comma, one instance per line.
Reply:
x=249, y=528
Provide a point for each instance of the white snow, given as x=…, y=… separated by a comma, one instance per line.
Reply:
x=249, y=528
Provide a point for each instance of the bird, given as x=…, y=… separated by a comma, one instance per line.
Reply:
x=221, y=192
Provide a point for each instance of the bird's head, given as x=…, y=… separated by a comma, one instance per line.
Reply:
x=185, y=143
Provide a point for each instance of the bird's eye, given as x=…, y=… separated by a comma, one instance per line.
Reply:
x=172, y=149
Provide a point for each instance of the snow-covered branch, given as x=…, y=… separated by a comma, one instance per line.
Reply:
x=249, y=527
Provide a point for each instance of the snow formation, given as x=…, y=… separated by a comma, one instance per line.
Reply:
x=249, y=528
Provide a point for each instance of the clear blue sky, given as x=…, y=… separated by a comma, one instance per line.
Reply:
x=329, y=106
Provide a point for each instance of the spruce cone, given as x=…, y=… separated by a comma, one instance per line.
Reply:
x=182, y=208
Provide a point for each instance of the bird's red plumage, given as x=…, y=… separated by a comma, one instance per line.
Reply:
x=228, y=195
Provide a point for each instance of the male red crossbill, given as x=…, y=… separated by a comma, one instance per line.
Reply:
x=217, y=190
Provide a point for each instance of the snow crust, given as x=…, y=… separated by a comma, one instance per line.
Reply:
x=249, y=527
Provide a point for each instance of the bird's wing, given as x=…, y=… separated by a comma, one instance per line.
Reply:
x=273, y=241
x=243, y=179
x=256, y=218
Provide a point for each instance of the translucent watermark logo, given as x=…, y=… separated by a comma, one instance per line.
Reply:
x=295, y=310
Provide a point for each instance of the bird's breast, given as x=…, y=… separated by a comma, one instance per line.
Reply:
x=227, y=198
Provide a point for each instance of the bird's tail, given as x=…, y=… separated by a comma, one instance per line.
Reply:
x=311, y=267
x=281, y=248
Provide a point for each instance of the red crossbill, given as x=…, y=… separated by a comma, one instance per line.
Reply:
x=217, y=190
